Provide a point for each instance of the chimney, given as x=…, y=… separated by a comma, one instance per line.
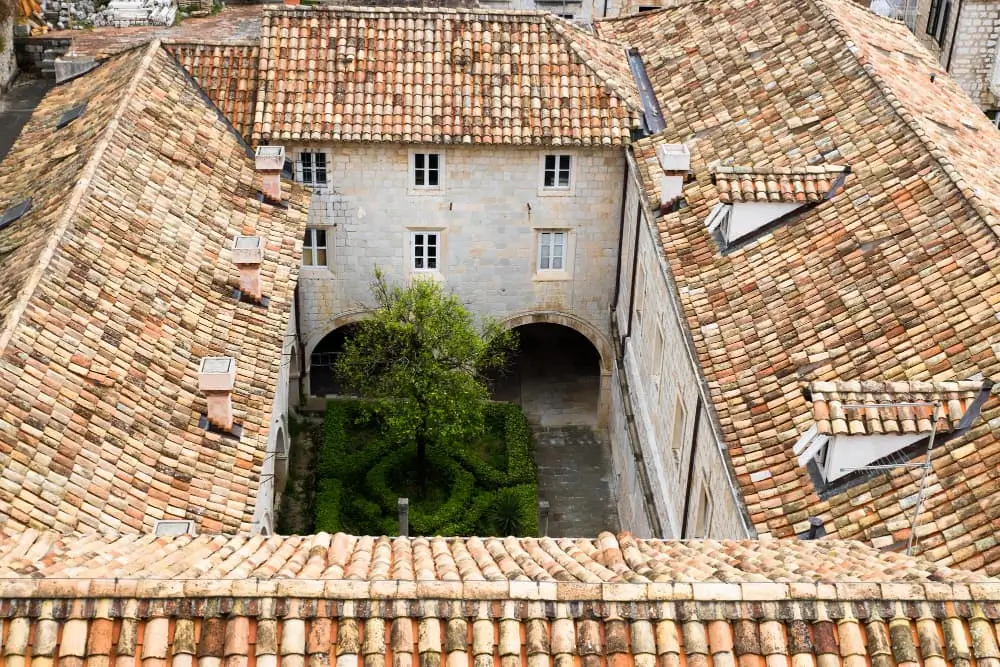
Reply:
x=216, y=378
x=248, y=253
x=675, y=160
x=269, y=161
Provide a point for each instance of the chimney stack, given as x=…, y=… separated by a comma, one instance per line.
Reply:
x=248, y=253
x=216, y=378
x=270, y=160
x=675, y=160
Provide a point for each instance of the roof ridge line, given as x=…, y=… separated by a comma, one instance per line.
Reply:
x=82, y=187
x=904, y=114
x=563, y=31
x=277, y=10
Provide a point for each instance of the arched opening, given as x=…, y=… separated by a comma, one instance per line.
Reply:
x=322, y=376
x=560, y=377
x=555, y=376
x=280, y=461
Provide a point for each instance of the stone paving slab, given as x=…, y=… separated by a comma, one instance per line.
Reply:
x=574, y=476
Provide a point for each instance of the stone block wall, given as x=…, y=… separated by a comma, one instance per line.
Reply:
x=8, y=65
x=687, y=466
x=976, y=49
x=489, y=212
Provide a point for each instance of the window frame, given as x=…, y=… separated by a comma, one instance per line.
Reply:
x=557, y=190
x=314, y=168
x=312, y=233
x=438, y=246
x=541, y=246
x=679, y=429
x=937, y=20
x=411, y=186
x=569, y=250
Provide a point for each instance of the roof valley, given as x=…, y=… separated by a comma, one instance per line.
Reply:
x=935, y=151
x=81, y=188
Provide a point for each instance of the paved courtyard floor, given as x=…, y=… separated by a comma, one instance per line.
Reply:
x=555, y=380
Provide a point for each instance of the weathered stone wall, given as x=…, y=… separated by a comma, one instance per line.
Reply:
x=8, y=65
x=975, y=46
x=975, y=50
x=661, y=373
x=489, y=212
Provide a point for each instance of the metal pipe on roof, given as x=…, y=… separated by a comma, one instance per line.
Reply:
x=912, y=541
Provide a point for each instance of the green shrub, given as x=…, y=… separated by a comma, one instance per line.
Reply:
x=328, y=508
x=362, y=472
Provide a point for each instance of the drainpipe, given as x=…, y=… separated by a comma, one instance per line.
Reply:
x=690, y=475
x=621, y=232
x=635, y=270
x=954, y=34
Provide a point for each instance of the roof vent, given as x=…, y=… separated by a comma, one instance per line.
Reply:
x=15, y=212
x=216, y=378
x=675, y=160
x=173, y=528
x=270, y=160
x=248, y=253
x=70, y=115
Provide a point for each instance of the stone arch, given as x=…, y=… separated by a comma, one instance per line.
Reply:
x=581, y=326
x=341, y=320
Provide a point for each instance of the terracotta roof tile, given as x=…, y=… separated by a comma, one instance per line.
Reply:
x=836, y=406
x=228, y=75
x=894, y=278
x=116, y=283
x=763, y=184
x=439, y=76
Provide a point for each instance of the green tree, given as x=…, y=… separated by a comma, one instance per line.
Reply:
x=422, y=356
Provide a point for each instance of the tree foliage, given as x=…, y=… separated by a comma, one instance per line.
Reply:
x=422, y=356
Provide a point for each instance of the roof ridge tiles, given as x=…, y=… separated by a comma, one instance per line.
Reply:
x=80, y=189
x=937, y=152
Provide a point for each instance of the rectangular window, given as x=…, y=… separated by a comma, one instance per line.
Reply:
x=427, y=170
x=313, y=167
x=426, y=251
x=937, y=20
x=557, y=172
x=551, y=251
x=677, y=439
x=314, y=247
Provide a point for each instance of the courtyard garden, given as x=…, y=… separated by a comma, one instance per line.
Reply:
x=484, y=486
x=420, y=425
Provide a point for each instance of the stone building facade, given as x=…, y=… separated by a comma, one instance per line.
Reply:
x=8, y=65
x=488, y=215
x=963, y=35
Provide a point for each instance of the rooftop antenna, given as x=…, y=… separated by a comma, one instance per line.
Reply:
x=925, y=467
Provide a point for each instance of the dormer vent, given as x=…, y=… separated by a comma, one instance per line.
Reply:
x=248, y=253
x=675, y=160
x=270, y=160
x=174, y=528
x=752, y=199
x=216, y=379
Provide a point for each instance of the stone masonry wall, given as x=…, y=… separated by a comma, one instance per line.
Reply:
x=489, y=212
x=664, y=390
x=8, y=66
x=975, y=50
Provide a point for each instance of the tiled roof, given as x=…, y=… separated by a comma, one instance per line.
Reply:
x=119, y=280
x=837, y=406
x=228, y=75
x=806, y=185
x=263, y=602
x=896, y=277
x=439, y=76
x=380, y=561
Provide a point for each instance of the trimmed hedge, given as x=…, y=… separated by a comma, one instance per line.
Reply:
x=355, y=488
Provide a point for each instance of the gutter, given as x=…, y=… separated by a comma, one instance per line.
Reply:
x=635, y=270
x=621, y=238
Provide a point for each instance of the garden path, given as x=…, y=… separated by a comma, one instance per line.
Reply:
x=555, y=380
